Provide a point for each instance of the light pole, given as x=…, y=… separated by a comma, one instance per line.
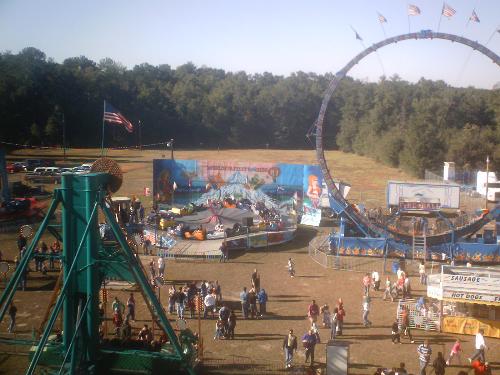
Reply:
x=172, y=149
x=487, y=178
x=140, y=136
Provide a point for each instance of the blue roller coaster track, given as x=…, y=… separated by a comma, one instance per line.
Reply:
x=338, y=203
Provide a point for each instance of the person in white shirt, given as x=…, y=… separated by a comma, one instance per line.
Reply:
x=480, y=347
x=376, y=280
x=161, y=267
x=366, y=311
x=421, y=271
x=209, y=303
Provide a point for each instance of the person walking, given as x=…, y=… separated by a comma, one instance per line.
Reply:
x=289, y=346
x=439, y=364
x=118, y=307
x=180, y=302
x=252, y=303
x=146, y=246
x=395, y=336
x=22, y=242
x=262, y=298
x=455, y=352
x=340, y=316
x=152, y=268
x=244, y=302
x=131, y=307
x=480, y=346
x=326, y=315
x=367, y=282
x=421, y=272
x=424, y=356
x=309, y=343
x=291, y=267
x=12, y=315
x=209, y=303
x=255, y=280
x=231, y=325
x=161, y=267
x=334, y=321
x=313, y=312
x=366, y=311
x=376, y=280
x=387, y=290
x=405, y=324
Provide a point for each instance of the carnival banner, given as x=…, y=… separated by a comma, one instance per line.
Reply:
x=313, y=190
x=279, y=186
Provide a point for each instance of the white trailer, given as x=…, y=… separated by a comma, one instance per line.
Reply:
x=422, y=196
x=493, y=185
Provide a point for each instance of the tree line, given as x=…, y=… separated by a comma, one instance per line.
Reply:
x=413, y=126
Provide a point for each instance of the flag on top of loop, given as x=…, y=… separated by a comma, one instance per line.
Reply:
x=113, y=116
x=413, y=10
x=448, y=11
x=381, y=18
x=474, y=17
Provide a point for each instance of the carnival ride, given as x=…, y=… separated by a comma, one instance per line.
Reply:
x=348, y=212
x=87, y=262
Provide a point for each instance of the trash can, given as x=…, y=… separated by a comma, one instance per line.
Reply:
x=337, y=357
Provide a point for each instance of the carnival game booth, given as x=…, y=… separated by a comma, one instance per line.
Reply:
x=469, y=298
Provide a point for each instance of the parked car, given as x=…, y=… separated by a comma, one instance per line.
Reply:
x=84, y=168
x=31, y=164
x=46, y=171
x=15, y=167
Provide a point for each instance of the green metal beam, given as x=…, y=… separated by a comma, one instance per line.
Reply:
x=69, y=349
x=141, y=279
x=10, y=289
x=60, y=299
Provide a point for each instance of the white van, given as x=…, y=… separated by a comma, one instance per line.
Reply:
x=46, y=171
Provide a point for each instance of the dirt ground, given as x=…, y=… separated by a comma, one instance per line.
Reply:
x=257, y=345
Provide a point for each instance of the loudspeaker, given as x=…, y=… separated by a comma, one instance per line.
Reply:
x=337, y=357
x=248, y=221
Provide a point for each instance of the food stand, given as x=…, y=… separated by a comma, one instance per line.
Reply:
x=469, y=297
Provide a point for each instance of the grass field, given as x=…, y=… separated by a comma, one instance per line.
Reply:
x=257, y=347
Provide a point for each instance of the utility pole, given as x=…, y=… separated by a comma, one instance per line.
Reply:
x=172, y=149
x=64, y=137
x=487, y=178
x=140, y=135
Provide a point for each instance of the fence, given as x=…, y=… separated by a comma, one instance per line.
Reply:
x=427, y=319
x=461, y=177
x=319, y=251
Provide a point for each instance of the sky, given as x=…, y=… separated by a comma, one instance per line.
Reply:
x=277, y=36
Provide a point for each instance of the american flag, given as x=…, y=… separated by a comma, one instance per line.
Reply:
x=381, y=18
x=448, y=11
x=413, y=10
x=112, y=115
x=474, y=17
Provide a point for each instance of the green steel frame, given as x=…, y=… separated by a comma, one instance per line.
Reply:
x=86, y=264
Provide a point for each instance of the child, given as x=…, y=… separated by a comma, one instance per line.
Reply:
x=219, y=329
x=455, y=351
x=325, y=312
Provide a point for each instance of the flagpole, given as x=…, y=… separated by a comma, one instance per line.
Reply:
x=440, y=17
x=383, y=30
x=102, y=139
